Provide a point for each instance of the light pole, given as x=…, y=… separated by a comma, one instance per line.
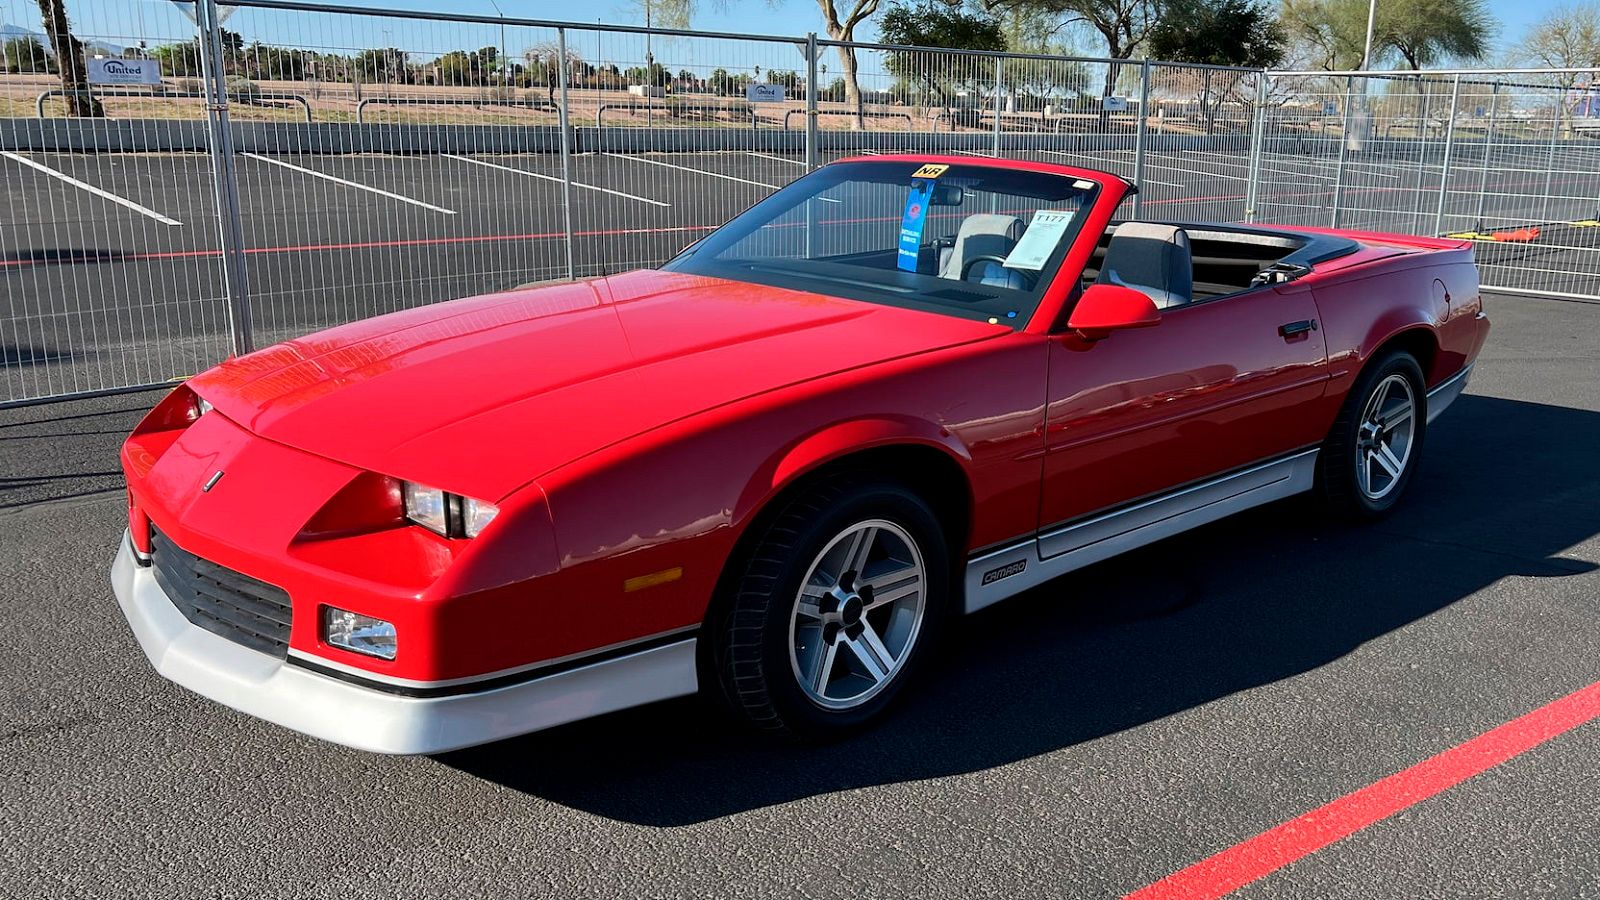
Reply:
x=504, y=84
x=1372, y=20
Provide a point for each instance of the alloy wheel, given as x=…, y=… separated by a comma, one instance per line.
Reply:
x=857, y=614
x=1385, y=435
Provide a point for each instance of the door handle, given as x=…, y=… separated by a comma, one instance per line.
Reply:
x=1295, y=329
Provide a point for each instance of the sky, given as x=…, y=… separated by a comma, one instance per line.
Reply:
x=158, y=21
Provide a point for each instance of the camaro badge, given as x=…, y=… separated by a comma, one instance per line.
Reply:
x=1016, y=568
x=211, y=482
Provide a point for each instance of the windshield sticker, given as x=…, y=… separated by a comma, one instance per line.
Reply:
x=1040, y=240
x=930, y=170
x=916, y=215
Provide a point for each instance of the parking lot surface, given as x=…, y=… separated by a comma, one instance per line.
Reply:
x=1087, y=739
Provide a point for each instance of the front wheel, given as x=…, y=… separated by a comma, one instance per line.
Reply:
x=1374, y=445
x=839, y=604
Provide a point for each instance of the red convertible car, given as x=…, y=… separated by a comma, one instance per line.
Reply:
x=775, y=469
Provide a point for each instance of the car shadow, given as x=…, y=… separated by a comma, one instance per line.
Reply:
x=1506, y=486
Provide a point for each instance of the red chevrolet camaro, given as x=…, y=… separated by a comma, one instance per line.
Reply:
x=775, y=469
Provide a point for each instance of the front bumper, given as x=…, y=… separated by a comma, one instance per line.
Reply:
x=369, y=719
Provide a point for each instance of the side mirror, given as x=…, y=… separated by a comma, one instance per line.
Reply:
x=1105, y=308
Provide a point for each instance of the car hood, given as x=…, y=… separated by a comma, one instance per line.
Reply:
x=483, y=394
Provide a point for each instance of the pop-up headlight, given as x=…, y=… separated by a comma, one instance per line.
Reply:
x=444, y=514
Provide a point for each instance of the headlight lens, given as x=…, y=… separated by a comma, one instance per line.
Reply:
x=357, y=633
x=447, y=515
x=476, y=515
x=427, y=507
x=198, y=406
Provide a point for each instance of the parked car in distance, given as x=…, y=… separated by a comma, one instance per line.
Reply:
x=775, y=469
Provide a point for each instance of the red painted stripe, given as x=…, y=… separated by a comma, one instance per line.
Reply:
x=1273, y=849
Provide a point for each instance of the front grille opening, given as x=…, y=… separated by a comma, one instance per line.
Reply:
x=226, y=603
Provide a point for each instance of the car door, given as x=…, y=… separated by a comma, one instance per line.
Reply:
x=1219, y=386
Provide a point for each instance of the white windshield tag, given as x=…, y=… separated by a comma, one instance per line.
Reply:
x=1040, y=240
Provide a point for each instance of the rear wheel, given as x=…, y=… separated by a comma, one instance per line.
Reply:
x=839, y=604
x=1373, y=448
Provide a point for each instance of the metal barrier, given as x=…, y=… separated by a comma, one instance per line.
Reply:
x=251, y=99
x=130, y=258
x=365, y=102
x=910, y=122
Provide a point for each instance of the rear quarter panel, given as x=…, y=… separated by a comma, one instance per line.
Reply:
x=1364, y=307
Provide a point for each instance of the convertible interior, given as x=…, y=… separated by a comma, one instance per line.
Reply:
x=853, y=228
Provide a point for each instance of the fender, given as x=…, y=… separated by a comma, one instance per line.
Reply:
x=1356, y=322
x=836, y=441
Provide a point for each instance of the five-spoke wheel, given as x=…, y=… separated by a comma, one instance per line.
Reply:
x=1383, y=443
x=844, y=590
x=857, y=614
x=1372, y=449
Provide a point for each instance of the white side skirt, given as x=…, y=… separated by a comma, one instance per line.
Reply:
x=1011, y=570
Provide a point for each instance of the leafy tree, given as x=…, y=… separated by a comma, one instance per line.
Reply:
x=1421, y=32
x=69, y=59
x=720, y=82
x=183, y=60
x=1122, y=24
x=26, y=54
x=458, y=68
x=275, y=63
x=1219, y=33
x=387, y=64
x=934, y=24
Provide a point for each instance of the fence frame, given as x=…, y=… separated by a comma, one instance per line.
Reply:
x=220, y=129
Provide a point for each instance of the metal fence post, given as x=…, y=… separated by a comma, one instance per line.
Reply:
x=811, y=102
x=224, y=180
x=1258, y=140
x=1344, y=150
x=1449, y=144
x=566, y=147
x=1139, y=136
x=998, y=73
x=1550, y=158
x=1488, y=142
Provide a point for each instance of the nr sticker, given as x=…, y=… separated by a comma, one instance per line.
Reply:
x=929, y=171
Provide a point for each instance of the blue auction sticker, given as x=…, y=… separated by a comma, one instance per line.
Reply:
x=911, y=222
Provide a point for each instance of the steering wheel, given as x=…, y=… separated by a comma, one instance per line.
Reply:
x=967, y=264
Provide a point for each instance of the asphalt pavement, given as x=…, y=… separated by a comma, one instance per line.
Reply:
x=1084, y=740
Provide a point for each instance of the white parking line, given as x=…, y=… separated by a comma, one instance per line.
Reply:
x=354, y=184
x=792, y=162
x=576, y=184
x=62, y=176
x=657, y=162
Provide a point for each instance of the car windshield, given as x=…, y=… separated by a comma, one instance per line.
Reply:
x=975, y=241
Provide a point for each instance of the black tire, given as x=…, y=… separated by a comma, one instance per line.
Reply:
x=1338, y=484
x=749, y=658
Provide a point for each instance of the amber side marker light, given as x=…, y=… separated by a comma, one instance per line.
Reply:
x=640, y=582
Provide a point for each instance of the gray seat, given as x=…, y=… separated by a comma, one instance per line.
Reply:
x=1152, y=259
x=984, y=234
